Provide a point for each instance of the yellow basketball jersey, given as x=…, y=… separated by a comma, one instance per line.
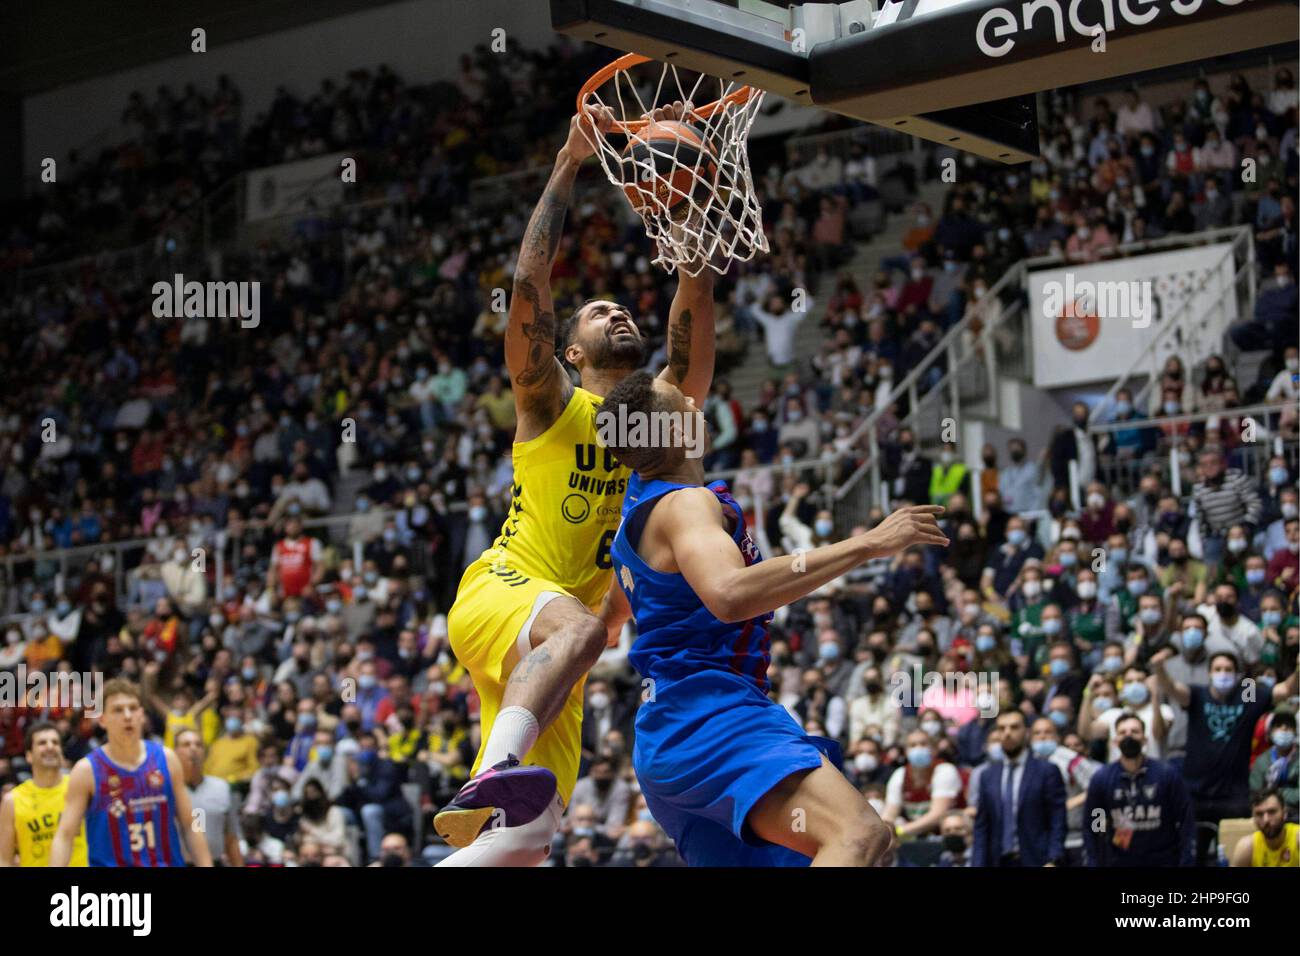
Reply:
x=565, y=506
x=36, y=818
x=1284, y=855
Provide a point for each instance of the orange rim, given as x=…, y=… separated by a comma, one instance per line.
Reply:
x=604, y=74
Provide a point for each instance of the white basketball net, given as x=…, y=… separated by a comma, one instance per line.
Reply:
x=716, y=218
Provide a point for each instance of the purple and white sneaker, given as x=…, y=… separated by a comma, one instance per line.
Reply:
x=508, y=793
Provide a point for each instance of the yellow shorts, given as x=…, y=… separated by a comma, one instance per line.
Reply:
x=488, y=627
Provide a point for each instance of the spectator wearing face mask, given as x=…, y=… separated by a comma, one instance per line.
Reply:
x=1008, y=560
x=907, y=469
x=873, y=708
x=1273, y=324
x=1076, y=773
x=955, y=834
x=1223, y=497
x=607, y=794
x=1022, y=482
x=1220, y=721
x=1136, y=696
x=1183, y=578
x=1147, y=814
x=233, y=755
x=1228, y=629
x=1151, y=626
x=1278, y=767
x=1277, y=490
x=921, y=792
x=1021, y=817
x=325, y=765
x=1124, y=602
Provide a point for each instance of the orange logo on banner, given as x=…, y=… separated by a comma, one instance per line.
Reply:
x=1077, y=328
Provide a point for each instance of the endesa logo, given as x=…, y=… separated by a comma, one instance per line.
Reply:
x=995, y=32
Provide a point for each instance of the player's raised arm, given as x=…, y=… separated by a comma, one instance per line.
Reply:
x=710, y=561
x=691, y=336
x=536, y=375
x=200, y=855
x=81, y=784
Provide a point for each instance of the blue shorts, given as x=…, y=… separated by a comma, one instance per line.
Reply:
x=708, y=748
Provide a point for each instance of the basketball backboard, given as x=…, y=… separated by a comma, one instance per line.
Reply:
x=958, y=72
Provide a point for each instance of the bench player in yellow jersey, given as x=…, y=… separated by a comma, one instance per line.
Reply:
x=1274, y=842
x=530, y=616
x=29, y=814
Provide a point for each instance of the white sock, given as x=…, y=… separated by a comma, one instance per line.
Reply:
x=513, y=732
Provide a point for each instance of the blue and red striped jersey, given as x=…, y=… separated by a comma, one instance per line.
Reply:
x=676, y=634
x=131, y=820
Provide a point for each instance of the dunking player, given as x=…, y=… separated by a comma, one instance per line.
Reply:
x=727, y=772
x=29, y=814
x=125, y=794
x=527, y=621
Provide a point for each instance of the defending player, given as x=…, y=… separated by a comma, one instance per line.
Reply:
x=124, y=792
x=29, y=814
x=727, y=772
x=527, y=618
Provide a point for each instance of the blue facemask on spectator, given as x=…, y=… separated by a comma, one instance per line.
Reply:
x=1069, y=559
x=1149, y=616
x=1277, y=475
x=1102, y=704
x=1059, y=718
x=823, y=528
x=1016, y=536
x=1223, y=682
x=1283, y=739
x=1270, y=618
x=1135, y=695
x=1052, y=625
x=325, y=754
x=985, y=643
x=829, y=651
x=1137, y=588
x=1043, y=748
x=1255, y=575
x=1120, y=555
x=919, y=757
x=1193, y=637
x=1112, y=665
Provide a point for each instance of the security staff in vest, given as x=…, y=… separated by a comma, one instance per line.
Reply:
x=948, y=476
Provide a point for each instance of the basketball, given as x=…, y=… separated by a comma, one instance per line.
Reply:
x=668, y=162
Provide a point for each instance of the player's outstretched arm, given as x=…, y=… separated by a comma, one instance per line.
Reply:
x=537, y=377
x=710, y=561
x=81, y=783
x=200, y=855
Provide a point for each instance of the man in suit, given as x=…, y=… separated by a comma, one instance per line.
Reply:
x=1021, y=818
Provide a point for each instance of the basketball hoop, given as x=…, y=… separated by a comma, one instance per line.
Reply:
x=687, y=178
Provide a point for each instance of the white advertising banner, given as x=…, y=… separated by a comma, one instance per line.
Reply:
x=1092, y=322
x=284, y=190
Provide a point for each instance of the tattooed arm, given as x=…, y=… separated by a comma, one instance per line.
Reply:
x=541, y=386
x=691, y=337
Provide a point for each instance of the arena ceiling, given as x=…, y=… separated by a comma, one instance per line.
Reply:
x=48, y=43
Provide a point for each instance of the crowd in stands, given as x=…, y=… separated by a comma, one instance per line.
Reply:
x=374, y=388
